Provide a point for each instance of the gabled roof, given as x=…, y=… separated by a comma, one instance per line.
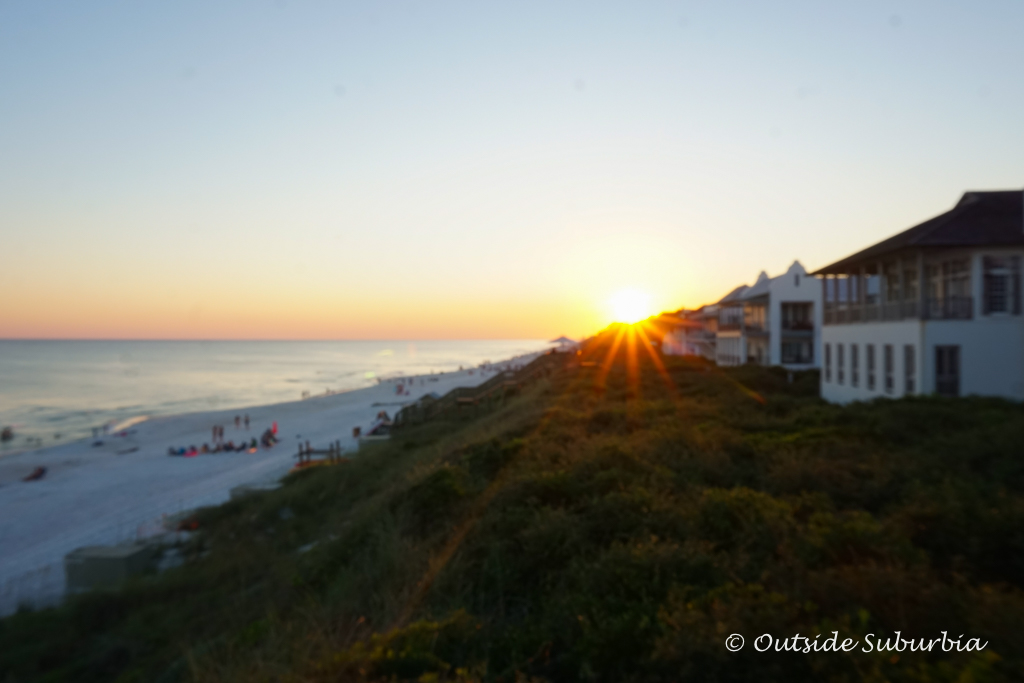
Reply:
x=734, y=295
x=759, y=288
x=979, y=219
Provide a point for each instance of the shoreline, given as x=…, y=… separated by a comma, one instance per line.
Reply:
x=60, y=392
x=109, y=493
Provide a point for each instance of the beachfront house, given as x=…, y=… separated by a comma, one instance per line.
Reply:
x=934, y=309
x=775, y=321
x=692, y=333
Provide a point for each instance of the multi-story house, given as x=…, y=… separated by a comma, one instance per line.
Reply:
x=934, y=309
x=690, y=332
x=775, y=321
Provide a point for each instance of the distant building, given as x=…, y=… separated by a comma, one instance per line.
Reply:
x=775, y=321
x=692, y=333
x=934, y=309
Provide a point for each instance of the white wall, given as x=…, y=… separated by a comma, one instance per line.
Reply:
x=991, y=353
x=991, y=356
x=897, y=333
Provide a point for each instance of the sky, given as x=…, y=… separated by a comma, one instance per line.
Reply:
x=432, y=170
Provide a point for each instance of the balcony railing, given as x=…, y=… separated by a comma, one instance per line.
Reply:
x=948, y=308
x=798, y=325
x=729, y=325
x=892, y=310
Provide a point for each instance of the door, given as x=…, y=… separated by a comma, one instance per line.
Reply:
x=947, y=370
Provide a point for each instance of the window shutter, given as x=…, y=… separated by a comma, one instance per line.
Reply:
x=985, y=293
x=1015, y=283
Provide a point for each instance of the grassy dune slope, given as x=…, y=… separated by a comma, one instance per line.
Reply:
x=616, y=522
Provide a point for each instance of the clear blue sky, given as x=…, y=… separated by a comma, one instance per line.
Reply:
x=301, y=169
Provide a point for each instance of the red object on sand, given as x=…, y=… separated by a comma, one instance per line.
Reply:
x=37, y=474
x=274, y=428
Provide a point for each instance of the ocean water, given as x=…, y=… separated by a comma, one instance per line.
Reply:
x=55, y=391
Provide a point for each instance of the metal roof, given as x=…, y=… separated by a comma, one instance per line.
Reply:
x=980, y=219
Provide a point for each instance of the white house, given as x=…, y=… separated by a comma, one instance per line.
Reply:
x=692, y=333
x=934, y=309
x=775, y=321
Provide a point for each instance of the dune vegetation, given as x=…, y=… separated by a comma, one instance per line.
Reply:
x=616, y=521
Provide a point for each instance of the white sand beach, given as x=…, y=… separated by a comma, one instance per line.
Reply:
x=117, y=491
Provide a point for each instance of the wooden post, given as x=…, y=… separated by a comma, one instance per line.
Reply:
x=922, y=298
x=902, y=285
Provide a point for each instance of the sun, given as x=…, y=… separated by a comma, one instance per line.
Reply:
x=629, y=306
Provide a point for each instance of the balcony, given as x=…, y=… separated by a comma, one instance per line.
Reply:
x=948, y=308
x=729, y=325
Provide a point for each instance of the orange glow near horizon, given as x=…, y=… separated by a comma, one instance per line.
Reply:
x=261, y=310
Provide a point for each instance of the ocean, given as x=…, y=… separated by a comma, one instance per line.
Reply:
x=55, y=391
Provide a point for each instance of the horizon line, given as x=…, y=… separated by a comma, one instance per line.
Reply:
x=197, y=339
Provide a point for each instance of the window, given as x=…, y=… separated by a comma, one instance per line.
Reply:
x=828, y=362
x=871, y=288
x=1002, y=285
x=870, y=357
x=757, y=350
x=840, y=361
x=892, y=282
x=797, y=316
x=797, y=352
x=910, y=283
x=796, y=279
x=947, y=370
x=949, y=279
x=909, y=370
x=888, y=360
x=854, y=365
x=755, y=317
x=730, y=317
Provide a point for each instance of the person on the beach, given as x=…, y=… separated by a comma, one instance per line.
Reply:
x=247, y=420
x=238, y=421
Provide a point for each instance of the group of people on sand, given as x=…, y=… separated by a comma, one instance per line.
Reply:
x=229, y=447
x=218, y=430
x=266, y=440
